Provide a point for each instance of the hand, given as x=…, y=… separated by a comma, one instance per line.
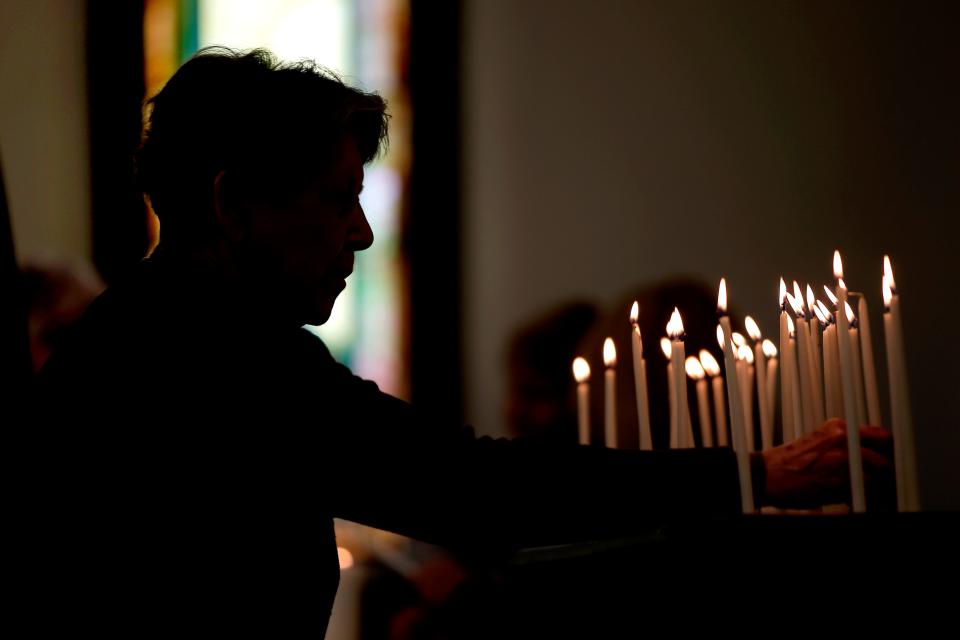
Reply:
x=814, y=471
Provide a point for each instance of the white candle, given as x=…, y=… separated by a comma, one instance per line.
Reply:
x=736, y=407
x=678, y=359
x=747, y=376
x=795, y=399
x=712, y=369
x=760, y=360
x=667, y=350
x=834, y=349
x=640, y=381
x=855, y=455
x=610, y=393
x=856, y=364
x=696, y=373
x=581, y=373
x=869, y=367
x=803, y=364
x=770, y=351
x=908, y=495
x=786, y=380
x=816, y=371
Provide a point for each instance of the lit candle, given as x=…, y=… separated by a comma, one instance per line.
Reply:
x=831, y=363
x=795, y=400
x=908, y=495
x=712, y=369
x=770, y=351
x=581, y=373
x=610, y=393
x=696, y=373
x=678, y=359
x=855, y=455
x=856, y=362
x=816, y=364
x=869, y=368
x=787, y=370
x=766, y=421
x=640, y=381
x=747, y=375
x=803, y=362
x=736, y=407
x=667, y=350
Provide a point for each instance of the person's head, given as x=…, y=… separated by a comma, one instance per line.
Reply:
x=262, y=161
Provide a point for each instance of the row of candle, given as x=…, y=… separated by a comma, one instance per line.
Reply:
x=827, y=370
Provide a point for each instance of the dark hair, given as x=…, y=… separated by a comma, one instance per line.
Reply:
x=270, y=126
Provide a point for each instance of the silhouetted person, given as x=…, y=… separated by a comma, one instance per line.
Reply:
x=197, y=442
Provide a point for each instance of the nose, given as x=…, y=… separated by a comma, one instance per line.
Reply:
x=360, y=236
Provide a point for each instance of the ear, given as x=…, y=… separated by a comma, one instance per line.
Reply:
x=225, y=209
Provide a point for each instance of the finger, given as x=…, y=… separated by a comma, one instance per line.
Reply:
x=876, y=438
x=876, y=462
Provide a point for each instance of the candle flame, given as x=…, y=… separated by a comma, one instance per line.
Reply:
x=888, y=274
x=709, y=363
x=783, y=292
x=827, y=316
x=738, y=339
x=581, y=369
x=795, y=305
x=609, y=353
x=842, y=284
x=694, y=368
x=745, y=353
x=634, y=313
x=819, y=313
x=830, y=295
x=811, y=299
x=837, y=265
x=666, y=347
x=797, y=295
x=675, y=326
x=720, y=336
x=790, y=326
x=769, y=349
x=887, y=292
x=722, y=297
x=753, y=329
x=850, y=317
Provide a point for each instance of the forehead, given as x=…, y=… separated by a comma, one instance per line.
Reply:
x=343, y=167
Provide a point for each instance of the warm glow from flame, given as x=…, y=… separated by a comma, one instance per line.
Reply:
x=811, y=299
x=819, y=313
x=887, y=292
x=797, y=295
x=790, y=326
x=738, y=339
x=709, y=363
x=675, y=326
x=850, y=316
x=830, y=294
x=783, y=292
x=795, y=305
x=720, y=336
x=666, y=347
x=753, y=329
x=745, y=353
x=581, y=370
x=609, y=353
x=634, y=312
x=842, y=284
x=769, y=349
x=694, y=368
x=722, y=296
x=888, y=273
x=826, y=312
x=837, y=265
x=345, y=558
